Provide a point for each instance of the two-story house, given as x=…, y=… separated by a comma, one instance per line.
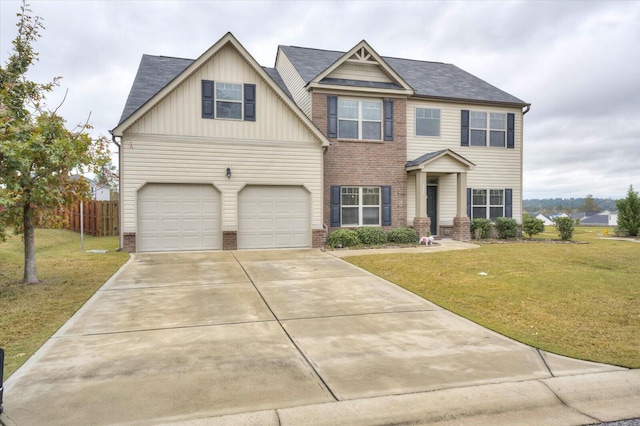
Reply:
x=219, y=152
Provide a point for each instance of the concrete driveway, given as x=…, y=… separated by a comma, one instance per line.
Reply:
x=293, y=337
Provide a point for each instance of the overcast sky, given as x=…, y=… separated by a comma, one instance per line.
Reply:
x=576, y=62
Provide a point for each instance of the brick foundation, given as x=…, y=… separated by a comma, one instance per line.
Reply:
x=129, y=242
x=318, y=238
x=461, y=228
x=422, y=225
x=229, y=240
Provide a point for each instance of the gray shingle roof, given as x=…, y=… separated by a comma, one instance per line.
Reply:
x=154, y=73
x=275, y=75
x=430, y=79
x=423, y=158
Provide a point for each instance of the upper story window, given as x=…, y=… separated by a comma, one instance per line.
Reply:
x=427, y=122
x=359, y=119
x=479, y=128
x=228, y=100
x=485, y=127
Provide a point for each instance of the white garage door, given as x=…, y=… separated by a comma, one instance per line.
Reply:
x=274, y=217
x=175, y=217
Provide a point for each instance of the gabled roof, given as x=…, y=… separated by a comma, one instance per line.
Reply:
x=158, y=76
x=153, y=74
x=428, y=79
x=362, y=53
x=430, y=157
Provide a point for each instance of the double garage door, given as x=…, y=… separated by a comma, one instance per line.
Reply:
x=177, y=217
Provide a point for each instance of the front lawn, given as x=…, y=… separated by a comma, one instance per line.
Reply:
x=30, y=314
x=578, y=300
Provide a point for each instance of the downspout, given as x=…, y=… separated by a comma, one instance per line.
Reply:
x=528, y=107
x=120, y=232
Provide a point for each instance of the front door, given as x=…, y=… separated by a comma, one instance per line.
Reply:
x=432, y=207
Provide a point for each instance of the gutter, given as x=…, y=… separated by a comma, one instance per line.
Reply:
x=527, y=109
x=120, y=233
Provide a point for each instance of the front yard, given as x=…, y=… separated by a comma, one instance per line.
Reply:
x=30, y=314
x=578, y=300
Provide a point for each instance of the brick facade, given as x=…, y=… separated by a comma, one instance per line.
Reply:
x=129, y=242
x=422, y=225
x=318, y=238
x=366, y=163
x=229, y=240
x=462, y=228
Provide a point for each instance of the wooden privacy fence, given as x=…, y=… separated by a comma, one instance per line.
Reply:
x=100, y=218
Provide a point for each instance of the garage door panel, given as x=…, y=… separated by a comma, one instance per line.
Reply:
x=174, y=217
x=274, y=217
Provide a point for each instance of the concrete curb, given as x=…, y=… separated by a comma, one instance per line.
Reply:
x=571, y=400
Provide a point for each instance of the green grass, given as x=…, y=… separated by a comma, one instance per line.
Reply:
x=30, y=314
x=578, y=300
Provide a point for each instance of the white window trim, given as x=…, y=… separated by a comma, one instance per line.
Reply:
x=488, y=205
x=487, y=130
x=439, y=135
x=360, y=206
x=360, y=120
x=216, y=100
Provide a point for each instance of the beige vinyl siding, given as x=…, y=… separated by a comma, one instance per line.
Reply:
x=294, y=83
x=193, y=160
x=446, y=198
x=180, y=112
x=362, y=72
x=496, y=168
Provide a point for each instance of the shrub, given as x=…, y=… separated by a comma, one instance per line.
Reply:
x=532, y=226
x=403, y=236
x=565, y=227
x=506, y=227
x=484, y=225
x=371, y=236
x=343, y=238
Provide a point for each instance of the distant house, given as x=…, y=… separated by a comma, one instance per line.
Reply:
x=544, y=219
x=99, y=192
x=605, y=218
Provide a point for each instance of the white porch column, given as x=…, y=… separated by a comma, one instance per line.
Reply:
x=462, y=195
x=421, y=194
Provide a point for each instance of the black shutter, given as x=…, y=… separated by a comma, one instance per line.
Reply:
x=332, y=116
x=469, y=202
x=464, y=128
x=386, y=206
x=335, y=206
x=508, y=202
x=511, y=118
x=249, y=102
x=388, y=120
x=208, y=99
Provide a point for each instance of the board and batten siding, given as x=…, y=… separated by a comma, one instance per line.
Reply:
x=361, y=72
x=294, y=83
x=496, y=168
x=180, y=112
x=196, y=160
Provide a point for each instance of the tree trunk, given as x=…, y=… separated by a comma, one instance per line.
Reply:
x=30, y=276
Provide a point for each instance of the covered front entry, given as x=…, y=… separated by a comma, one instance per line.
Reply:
x=274, y=217
x=176, y=217
x=439, y=182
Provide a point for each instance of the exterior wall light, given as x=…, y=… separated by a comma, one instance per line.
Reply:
x=228, y=172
